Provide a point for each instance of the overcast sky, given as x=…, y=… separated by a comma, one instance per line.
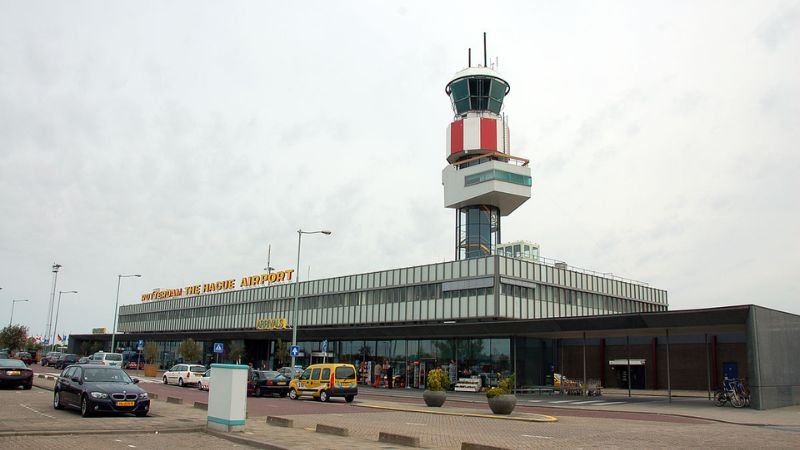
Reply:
x=179, y=139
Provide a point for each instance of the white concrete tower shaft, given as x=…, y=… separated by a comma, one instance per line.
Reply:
x=482, y=181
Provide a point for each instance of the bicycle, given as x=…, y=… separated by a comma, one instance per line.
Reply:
x=734, y=391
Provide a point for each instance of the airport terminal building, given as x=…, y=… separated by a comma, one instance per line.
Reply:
x=497, y=308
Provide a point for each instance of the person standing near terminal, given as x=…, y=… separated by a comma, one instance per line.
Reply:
x=377, y=374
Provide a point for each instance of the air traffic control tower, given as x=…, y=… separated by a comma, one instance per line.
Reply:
x=482, y=181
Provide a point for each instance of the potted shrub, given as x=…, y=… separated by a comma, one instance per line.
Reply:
x=150, y=353
x=435, y=394
x=501, y=398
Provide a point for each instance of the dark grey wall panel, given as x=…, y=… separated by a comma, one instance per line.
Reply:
x=773, y=346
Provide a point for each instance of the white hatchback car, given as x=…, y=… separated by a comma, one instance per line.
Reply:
x=184, y=374
x=204, y=381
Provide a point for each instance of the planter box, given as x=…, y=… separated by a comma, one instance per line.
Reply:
x=503, y=404
x=434, y=398
x=150, y=370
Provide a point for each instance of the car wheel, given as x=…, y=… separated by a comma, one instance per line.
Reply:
x=293, y=395
x=258, y=392
x=141, y=414
x=349, y=398
x=200, y=386
x=27, y=387
x=57, y=400
x=180, y=382
x=165, y=380
x=86, y=407
x=323, y=396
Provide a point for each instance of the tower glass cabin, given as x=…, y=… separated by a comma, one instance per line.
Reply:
x=482, y=181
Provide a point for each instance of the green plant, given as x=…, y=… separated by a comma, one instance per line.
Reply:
x=13, y=337
x=438, y=380
x=189, y=349
x=505, y=386
x=150, y=352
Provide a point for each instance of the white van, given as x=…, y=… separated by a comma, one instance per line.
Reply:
x=107, y=359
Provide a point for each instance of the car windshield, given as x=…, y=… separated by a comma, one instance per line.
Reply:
x=106, y=375
x=12, y=363
x=113, y=357
x=197, y=369
x=270, y=373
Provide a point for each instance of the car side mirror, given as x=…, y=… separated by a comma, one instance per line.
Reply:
x=135, y=381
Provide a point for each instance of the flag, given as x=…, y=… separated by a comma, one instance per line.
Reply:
x=58, y=339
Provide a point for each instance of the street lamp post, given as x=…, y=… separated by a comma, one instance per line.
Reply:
x=116, y=306
x=58, y=308
x=14, y=303
x=295, y=319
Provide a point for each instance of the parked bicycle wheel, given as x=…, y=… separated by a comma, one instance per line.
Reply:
x=737, y=400
x=720, y=398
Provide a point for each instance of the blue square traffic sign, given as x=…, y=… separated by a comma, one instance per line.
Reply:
x=294, y=350
x=219, y=347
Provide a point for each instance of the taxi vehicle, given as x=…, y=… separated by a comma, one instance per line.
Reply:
x=184, y=374
x=323, y=381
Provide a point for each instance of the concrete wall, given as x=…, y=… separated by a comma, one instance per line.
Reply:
x=772, y=351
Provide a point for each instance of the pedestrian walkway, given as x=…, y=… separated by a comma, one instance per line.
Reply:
x=465, y=418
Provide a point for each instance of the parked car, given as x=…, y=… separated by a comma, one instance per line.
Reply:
x=65, y=360
x=290, y=372
x=267, y=382
x=24, y=357
x=108, y=359
x=4, y=355
x=205, y=380
x=324, y=381
x=184, y=374
x=132, y=360
x=84, y=360
x=50, y=358
x=14, y=372
x=94, y=388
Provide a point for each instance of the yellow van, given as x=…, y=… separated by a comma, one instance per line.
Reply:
x=324, y=381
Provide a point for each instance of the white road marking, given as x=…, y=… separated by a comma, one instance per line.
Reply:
x=537, y=437
x=535, y=401
x=609, y=403
x=420, y=424
x=588, y=402
x=131, y=446
x=563, y=401
x=37, y=412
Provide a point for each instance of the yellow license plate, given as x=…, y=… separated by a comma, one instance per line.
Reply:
x=13, y=372
x=126, y=403
x=281, y=383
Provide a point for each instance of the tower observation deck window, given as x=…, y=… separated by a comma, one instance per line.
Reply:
x=499, y=175
x=477, y=94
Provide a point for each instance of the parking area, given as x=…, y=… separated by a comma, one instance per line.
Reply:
x=29, y=421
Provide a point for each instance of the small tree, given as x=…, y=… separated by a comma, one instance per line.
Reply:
x=85, y=346
x=150, y=352
x=95, y=347
x=282, y=352
x=237, y=351
x=13, y=337
x=189, y=349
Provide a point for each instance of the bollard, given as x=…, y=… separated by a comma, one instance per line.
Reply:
x=330, y=429
x=400, y=439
